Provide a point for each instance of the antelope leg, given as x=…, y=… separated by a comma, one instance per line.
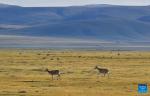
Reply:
x=104, y=74
x=52, y=77
x=108, y=75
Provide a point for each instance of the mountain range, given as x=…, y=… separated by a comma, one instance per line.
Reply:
x=96, y=22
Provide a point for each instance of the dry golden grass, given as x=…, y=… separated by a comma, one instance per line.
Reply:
x=22, y=73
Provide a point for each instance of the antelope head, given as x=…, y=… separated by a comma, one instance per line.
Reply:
x=46, y=69
x=96, y=67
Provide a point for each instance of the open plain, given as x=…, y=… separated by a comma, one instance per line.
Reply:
x=22, y=72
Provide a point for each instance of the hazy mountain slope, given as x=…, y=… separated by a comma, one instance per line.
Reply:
x=104, y=22
x=7, y=6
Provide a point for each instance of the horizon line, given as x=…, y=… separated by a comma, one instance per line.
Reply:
x=78, y=5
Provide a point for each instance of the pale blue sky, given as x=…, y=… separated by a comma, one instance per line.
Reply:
x=73, y=2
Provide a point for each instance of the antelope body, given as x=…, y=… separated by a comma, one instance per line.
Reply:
x=53, y=72
x=102, y=71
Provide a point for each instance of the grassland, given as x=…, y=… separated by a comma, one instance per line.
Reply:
x=22, y=73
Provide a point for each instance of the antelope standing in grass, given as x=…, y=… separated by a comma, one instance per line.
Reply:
x=53, y=72
x=102, y=71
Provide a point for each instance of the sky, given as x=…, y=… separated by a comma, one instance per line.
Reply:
x=34, y=3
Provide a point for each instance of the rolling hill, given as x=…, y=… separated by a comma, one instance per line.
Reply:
x=99, y=22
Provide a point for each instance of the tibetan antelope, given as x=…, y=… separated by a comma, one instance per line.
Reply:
x=102, y=71
x=53, y=72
